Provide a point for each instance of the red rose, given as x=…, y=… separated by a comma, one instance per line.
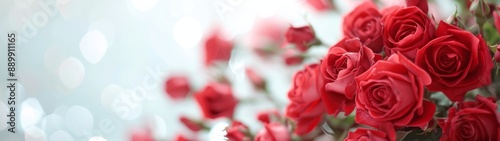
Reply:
x=236, y=132
x=362, y=134
x=365, y=23
x=472, y=120
x=217, y=48
x=216, y=100
x=406, y=30
x=344, y=61
x=177, y=87
x=391, y=94
x=191, y=124
x=273, y=132
x=421, y=4
x=456, y=60
x=305, y=106
x=268, y=116
x=497, y=54
x=300, y=37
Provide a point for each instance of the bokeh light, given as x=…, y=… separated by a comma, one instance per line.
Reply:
x=71, y=72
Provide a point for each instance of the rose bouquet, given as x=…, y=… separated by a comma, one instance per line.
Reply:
x=399, y=73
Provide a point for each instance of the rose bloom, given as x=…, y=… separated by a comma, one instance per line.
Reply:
x=177, y=87
x=305, y=107
x=236, y=132
x=273, y=132
x=217, y=48
x=344, y=61
x=456, y=60
x=391, y=95
x=216, y=100
x=363, y=134
x=300, y=37
x=365, y=23
x=421, y=4
x=406, y=30
x=472, y=121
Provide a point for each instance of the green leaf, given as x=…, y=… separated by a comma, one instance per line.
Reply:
x=423, y=136
x=491, y=34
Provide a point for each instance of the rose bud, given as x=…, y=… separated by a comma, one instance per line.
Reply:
x=216, y=100
x=363, y=134
x=479, y=8
x=236, y=132
x=256, y=79
x=421, y=4
x=472, y=120
x=217, y=48
x=497, y=54
x=273, y=132
x=177, y=87
x=301, y=37
x=191, y=124
x=268, y=116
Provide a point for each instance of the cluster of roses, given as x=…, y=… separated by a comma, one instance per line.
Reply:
x=386, y=68
x=393, y=92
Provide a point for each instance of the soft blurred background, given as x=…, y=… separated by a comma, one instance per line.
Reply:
x=96, y=69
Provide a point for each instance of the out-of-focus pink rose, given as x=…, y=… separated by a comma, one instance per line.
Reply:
x=217, y=48
x=292, y=57
x=181, y=137
x=268, y=116
x=191, y=124
x=321, y=5
x=177, y=87
x=273, y=132
x=236, y=132
x=266, y=36
x=256, y=79
x=300, y=37
x=141, y=135
x=216, y=100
